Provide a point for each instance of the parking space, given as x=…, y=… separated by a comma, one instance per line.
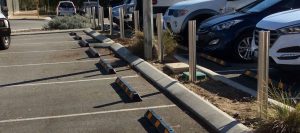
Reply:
x=48, y=83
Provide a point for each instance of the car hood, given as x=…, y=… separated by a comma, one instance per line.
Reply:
x=2, y=16
x=184, y=4
x=222, y=18
x=280, y=20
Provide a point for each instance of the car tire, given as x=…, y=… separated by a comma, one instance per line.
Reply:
x=242, y=48
x=4, y=42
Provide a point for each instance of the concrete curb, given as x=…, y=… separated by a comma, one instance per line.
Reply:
x=202, y=109
x=28, y=18
x=45, y=32
x=27, y=30
x=238, y=86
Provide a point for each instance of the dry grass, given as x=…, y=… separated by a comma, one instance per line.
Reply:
x=281, y=119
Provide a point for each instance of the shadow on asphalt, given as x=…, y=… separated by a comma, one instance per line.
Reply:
x=48, y=78
x=121, y=101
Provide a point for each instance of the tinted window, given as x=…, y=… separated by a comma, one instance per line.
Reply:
x=259, y=5
x=66, y=5
x=297, y=4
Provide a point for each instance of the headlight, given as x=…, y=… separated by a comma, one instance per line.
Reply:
x=179, y=12
x=4, y=23
x=226, y=25
x=290, y=30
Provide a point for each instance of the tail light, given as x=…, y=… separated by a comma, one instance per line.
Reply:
x=154, y=2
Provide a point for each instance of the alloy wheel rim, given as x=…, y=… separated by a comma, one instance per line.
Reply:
x=6, y=41
x=244, y=48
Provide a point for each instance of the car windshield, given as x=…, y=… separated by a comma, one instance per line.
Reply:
x=259, y=5
x=66, y=5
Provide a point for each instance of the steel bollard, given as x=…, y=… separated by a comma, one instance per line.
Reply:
x=136, y=15
x=121, y=15
x=94, y=16
x=90, y=14
x=110, y=20
x=159, y=23
x=102, y=18
x=263, y=73
x=192, y=50
x=148, y=28
x=99, y=16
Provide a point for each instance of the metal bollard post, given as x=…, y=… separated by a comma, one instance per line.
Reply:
x=263, y=73
x=136, y=15
x=101, y=12
x=192, y=50
x=121, y=15
x=94, y=16
x=110, y=20
x=85, y=11
x=90, y=14
x=99, y=16
x=159, y=22
x=148, y=28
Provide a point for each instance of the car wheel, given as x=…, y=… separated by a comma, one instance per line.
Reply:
x=242, y=48
x=5, y=42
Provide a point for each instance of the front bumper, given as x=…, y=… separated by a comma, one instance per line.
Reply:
x=214, y=41
x=284, y=52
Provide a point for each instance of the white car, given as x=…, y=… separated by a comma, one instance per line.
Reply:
x=177, y=16
x=65, y=8
x=284, y=30
x=159, y=6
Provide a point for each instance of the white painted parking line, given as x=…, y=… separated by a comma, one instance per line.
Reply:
x=44, y=43
x=31, y=37
x=86, y=114
x=54, y=63
x=42, y=51
x=73, y=81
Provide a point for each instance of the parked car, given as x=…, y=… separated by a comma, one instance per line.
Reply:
x=88, y=5
x=231, y=33
x=284, y=30
x=177, y=16
x=159, y=6
x=5, y=32
x=65, y=8
x=3, y=7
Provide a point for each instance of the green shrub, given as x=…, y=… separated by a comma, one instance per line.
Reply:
x=68, y=22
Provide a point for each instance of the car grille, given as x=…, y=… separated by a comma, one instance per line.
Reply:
x=274, y=35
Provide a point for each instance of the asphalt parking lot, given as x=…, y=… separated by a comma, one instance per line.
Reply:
x=48, y=83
